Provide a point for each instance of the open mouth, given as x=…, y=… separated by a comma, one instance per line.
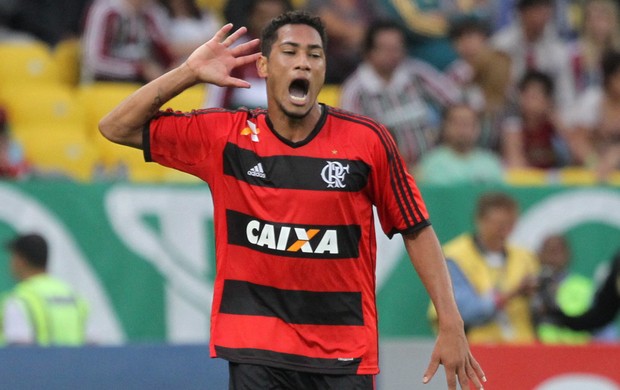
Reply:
x=298, y=90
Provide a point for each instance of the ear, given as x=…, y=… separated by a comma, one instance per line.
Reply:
x=262, y=65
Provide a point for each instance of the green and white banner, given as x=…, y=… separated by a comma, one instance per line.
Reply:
x=143, y=255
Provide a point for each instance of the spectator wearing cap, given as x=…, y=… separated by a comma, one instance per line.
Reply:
x=41, y=310
x=532, y=43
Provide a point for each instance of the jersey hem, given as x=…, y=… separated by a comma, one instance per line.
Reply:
x=301, y=368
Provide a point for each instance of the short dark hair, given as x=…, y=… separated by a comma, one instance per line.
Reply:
x=495, y=200
x=468, y=25
x=270, y=32
x=31, y=247
x=535, y=76
x=525, y=4
x=610, y=65
x=379, y=26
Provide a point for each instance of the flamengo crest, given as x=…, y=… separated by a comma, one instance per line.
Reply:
x=333, y=174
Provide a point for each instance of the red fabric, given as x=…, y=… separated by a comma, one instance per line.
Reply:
x=195, y=143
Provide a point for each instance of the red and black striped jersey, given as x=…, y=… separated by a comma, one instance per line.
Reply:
x=295, y=235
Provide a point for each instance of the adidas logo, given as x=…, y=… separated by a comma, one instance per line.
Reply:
x=257, y=171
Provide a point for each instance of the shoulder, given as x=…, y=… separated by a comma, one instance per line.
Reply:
x=458, y=244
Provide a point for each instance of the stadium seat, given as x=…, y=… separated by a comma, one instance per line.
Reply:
x=66, y=55
x=130, y=161
x=190, y=99
x=576, y=176
x=31, y=105
x=97, y=99
x=28, y=62
x=526, y=177
x=330, y=95
x=57, y=152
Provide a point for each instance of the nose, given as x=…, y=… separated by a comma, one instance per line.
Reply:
x=302, y=62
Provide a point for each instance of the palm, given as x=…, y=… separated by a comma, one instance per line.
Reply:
x=213, y=61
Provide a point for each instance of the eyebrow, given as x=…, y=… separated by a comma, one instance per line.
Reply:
x=295, y=44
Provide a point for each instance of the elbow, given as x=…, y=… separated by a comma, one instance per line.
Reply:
x=123, y=135
x=108, y=130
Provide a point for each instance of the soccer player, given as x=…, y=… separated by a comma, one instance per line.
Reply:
x=293, y=188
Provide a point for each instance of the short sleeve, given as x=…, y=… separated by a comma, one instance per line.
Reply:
x=187, y=141
x=399, y=204
x=586, y=111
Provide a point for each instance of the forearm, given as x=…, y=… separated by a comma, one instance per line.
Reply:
x=124, y=124
x=427, y=258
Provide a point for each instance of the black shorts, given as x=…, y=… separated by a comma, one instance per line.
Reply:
x=255, y=377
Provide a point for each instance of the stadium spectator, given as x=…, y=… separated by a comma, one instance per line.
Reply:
x=559, y=289
x=493, y=280
x=188, y=26
x=532, y=43
x=282, y=319
x=405, y=94
x=600, y=34
x=41, y=309
x=12, y=162
x=606, y=303
x=44, y=20
x=427, y=25
x=480, y=69
x=532, y=133
x=346, y=22
x=457, y=159
x=594, y=122
x=483, y=73
x=124, y=40
x=260, y=13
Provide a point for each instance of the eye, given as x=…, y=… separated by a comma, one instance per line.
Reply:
x=315, y=55
x=288, y=52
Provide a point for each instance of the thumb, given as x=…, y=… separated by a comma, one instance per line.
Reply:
x=433, y=365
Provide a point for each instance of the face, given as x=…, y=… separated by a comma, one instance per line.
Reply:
x=295, y=70
x=461, y=128
x=554, y=253
x=534, y=100
x=388, y=51
x=469, y=45
x=600, y=21
x=535, y=18
x=495, y=226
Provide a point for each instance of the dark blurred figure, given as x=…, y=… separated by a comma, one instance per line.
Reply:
x=124, y=40
x=606, y=303
x=12, y=163
x=346, y=22
x=559, y=289
x=50, y=21
x=532, y=133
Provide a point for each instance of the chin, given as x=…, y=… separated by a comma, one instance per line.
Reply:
x=297, y=113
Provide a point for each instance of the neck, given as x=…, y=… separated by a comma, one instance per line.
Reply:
x=30, y=272
x=490, y=245
x=291, y=128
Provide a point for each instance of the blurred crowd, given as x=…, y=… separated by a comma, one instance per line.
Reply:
x=468, y=89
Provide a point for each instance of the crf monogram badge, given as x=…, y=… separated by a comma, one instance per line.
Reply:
x=333, y=174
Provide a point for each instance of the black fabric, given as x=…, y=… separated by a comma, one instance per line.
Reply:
x=254, y=377
x=292, y=306
x=295, y=172
x=293, y=240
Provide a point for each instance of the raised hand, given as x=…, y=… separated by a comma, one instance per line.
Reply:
x=213, y=61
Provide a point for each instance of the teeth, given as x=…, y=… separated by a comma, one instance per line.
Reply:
x=298, y=99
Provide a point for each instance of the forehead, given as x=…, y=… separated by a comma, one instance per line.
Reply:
x=300, y=34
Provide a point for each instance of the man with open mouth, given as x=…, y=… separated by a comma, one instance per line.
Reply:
x=294, y=188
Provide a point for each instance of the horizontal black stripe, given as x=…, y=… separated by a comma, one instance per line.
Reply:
x=292, y=306
x=342, y=366
x=291, y=240
x=296, y=172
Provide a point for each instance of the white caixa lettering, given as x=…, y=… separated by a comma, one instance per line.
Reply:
x=279, y=238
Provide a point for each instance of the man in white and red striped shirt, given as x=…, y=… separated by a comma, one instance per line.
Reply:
x=124, y=41
x=405, y=94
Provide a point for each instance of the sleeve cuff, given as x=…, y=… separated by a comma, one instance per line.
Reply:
x=410, y=230
x=146, y=142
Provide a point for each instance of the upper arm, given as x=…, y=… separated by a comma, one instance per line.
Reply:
x=16, y=324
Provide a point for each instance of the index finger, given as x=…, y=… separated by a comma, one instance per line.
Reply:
x=222, y=32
